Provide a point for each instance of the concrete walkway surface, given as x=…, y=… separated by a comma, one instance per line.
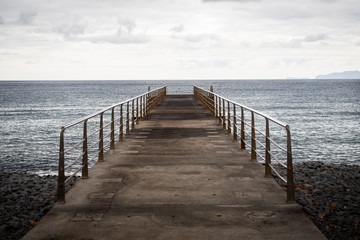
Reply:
x=178, y=175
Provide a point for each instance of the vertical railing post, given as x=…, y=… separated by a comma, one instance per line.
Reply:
x=219, y=103
x=112, y=135
x=127, y=119
x=234, y=123
x=121, y=134
x=144, y=105
x=133, y=114
x=267, y=155
x=224, y=123
x=141, y=107
x=253, y=142
x=148, y=107
x=228, y=118
x=61, y=174
x=101, y=138
x=212, y=100
x=290, y=176
x=242, y=142
x=216, y=108
x=85, y=153
x=137, y=111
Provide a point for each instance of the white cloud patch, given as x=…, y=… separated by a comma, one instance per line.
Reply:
x=9, y=53
x=104, y=30
x=201, y=37
x=295, y=42
x=27, y=18
x=177, y=29
x=126, y=33
x=71, y=27
x=231, y=0
x=214, y=38
x=196, y=37
x=216, y=63
x=315, y=38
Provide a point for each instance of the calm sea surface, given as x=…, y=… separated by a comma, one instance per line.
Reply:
x=324, y=115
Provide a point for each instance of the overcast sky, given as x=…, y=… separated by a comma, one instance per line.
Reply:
x=183, y=39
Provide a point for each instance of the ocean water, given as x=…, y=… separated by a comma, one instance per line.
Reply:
x=324, y=115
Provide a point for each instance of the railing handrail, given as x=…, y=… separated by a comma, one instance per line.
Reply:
x=228, y=117
x=140, y=104
x=80, y=120
x=248, y=108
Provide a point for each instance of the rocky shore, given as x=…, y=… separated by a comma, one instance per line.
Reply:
x=24, y=199
x=330, y=196
x=328, y=193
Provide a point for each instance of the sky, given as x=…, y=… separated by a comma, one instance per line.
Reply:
x=183, y=39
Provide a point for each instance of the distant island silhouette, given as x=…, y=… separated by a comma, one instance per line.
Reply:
x=341, y=75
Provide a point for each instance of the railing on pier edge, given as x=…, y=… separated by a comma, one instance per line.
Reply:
x=130, y=112
x=226, y=112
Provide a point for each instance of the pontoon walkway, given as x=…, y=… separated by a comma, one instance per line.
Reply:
x=178, y=175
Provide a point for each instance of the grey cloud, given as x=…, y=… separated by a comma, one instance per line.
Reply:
x=128, y=24
x=315, y=38
x=75, y=28
x=27, y=18
x=123, y=35
x=215, y=63
x=201, y=37
x=1, y=20
x=295, y=42
x=231, y=0
x=177, y=29
x=9, y=53
x=70, y=28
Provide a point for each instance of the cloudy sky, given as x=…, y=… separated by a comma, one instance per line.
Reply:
x=177, y=39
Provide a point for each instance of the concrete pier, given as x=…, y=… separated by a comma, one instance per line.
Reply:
x=178, y=175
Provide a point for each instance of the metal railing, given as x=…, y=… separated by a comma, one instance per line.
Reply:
x=130, y=112
x=243, y=129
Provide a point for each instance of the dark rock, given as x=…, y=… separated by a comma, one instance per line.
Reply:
x=330, y=196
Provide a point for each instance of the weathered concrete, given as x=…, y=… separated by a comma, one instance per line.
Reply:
x=179, y=175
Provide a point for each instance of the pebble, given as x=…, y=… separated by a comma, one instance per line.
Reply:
x=24, y=199
x=330, y=196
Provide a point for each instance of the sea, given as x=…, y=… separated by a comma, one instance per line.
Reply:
x=324, y=115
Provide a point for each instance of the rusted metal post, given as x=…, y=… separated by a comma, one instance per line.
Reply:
x=216, y=108
x=133, y=114
x=61, y=174
x=149, y=100
x=219, y=103
x=112, y=135
x=212, y=101
x=84, y=174
x=141, y=107
x=101, y=138
x=242, y=142
x=290, y=172
x=224, y=123
x=253, y=142
x=228, y=118
x=121, y=134
x=144, y=105
x=127, y=119
x=267, y=145
x=137, y=111
x=234, y=123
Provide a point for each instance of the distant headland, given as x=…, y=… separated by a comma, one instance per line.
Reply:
x=341, y=75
